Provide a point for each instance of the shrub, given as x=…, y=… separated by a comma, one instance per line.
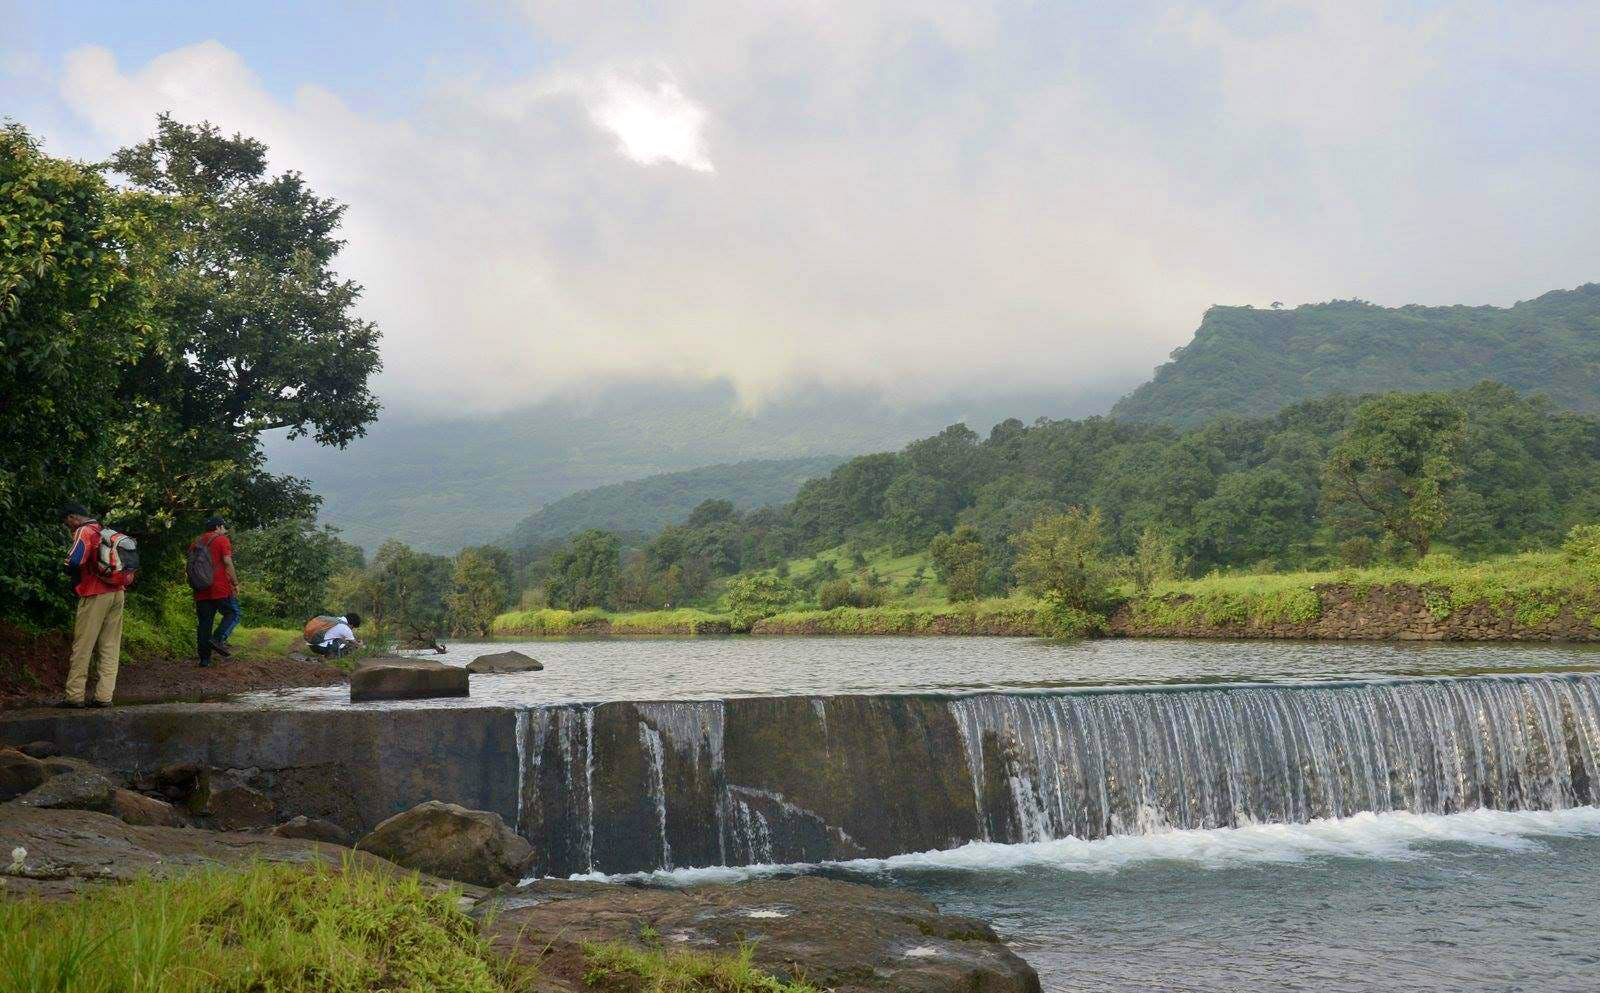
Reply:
x=1582, y=548
x=1062, y=557
x=750, y=598
x=1357, y=552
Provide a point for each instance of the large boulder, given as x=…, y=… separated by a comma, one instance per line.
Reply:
x=840, y=936
x=504, y=662
x=237, y=807
x=452, y=842
x=81, y=790
x=406, y=679
x=311, y=829
x=40, y=749
x=136, y=808
x=19, y=773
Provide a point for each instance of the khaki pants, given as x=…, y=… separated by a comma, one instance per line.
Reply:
x=99, y=622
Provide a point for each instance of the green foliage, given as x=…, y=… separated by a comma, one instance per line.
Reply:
x=1245, y=362
x=995, y=616
x=1395, y=465
x=1154, y=560
x=476, y=593
x=1582, y=548
x=264, y=928
x=1357, y=552
x=286, y=566
x=1061, y=560
x=401, y=592
x=614, y=966
x=960, y=561
x=585, y=572
x=751, y=598
x=1060, y=619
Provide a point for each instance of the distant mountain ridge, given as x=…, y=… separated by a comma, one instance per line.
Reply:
x=1250, y=363
x=650, y=504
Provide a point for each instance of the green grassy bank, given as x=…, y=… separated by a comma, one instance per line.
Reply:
x=311, y=929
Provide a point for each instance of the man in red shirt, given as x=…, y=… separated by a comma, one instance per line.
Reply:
x=99, y=620
x=221, y=597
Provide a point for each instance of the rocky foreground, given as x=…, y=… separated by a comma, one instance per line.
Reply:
x=67, y=824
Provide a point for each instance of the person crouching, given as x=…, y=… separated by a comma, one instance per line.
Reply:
x=332, y=636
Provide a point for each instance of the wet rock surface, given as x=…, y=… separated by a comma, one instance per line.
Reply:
x=450, y=841
x=19, y=773
x=136, y=808
x=79, y=790
x=406, y=679
x=311, y=829
x=504, y=662
x=846, y=937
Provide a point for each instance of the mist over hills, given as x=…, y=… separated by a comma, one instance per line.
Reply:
x=441, y=484
x=1250, y=363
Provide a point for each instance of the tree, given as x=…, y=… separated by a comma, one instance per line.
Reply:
x=1062, y=557
x=1154, y=560
x=959, y=560
x=476, y=593
x=253, y=332
x=751, y=598
x=585, y=573
x=1254, y=515
x=73, y=309
x=1395, y=466
x=290, y=563
x=403, y=590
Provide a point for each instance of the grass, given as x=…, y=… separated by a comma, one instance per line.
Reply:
x=262, y=928
x=1533, y=587
x=652, y=969
x=997, y=615
x=550, y=622
x=898, y=573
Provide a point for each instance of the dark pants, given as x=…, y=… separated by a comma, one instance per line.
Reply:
x=206, y=614
x=332, y=649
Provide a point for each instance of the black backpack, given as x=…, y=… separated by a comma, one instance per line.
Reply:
x=202, y=573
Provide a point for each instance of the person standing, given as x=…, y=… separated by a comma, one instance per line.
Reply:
x=97, y=630
x=216, y=589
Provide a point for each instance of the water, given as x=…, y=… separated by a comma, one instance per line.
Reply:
x=1483, y=901
x=597, y=669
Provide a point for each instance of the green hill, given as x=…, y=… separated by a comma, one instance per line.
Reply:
x=648, y=505
x=1251, y=363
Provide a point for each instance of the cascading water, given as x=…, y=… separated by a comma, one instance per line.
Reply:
x=621, y=787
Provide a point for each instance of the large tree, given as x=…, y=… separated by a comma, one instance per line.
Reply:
x=254, y=331
x=1395, y=466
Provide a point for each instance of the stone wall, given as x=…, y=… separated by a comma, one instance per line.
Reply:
x=1398, y=612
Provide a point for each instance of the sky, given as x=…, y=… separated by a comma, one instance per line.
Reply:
x=910, y=199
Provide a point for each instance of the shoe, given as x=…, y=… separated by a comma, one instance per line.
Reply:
x=98, y=703
x=71, y=704
x=221, y=648
x=205, y=663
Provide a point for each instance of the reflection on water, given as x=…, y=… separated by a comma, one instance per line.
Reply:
x=598, y=669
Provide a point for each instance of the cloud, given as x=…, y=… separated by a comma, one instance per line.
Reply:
x=917, y=199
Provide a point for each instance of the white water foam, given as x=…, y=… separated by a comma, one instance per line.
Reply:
x=1388, y=836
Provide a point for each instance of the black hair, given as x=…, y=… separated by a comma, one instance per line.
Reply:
x=353, y=619
x=214, y=521
x=75, y=510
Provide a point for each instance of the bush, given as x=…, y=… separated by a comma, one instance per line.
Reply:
x=1059, y=618
x=835, y=593
x=750, y=598
x=1357, y=552
x=1582, y=548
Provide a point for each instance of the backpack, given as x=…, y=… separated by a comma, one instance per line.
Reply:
x=116, y=560
x=201, y=570
x=317, y=627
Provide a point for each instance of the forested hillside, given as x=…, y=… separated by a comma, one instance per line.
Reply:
x=650, y=504
x=1249, y=362
x=1339, y=479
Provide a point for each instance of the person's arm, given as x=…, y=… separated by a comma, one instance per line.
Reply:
x=233, y=577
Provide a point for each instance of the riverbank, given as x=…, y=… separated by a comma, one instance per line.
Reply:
x=1530, y=597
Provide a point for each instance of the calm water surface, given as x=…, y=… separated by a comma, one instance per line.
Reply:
x=599, y=669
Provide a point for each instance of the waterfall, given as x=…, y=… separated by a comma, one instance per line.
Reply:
x=626, y=786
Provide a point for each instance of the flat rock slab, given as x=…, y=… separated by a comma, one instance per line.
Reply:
x=67, y=849
x=835, y=935
x=406, y=679
x=504, y=662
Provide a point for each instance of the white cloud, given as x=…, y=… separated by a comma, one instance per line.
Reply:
x=654, y=123
x=918, y=198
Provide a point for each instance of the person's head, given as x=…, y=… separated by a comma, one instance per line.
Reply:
x=217, y=524
x=75, y=515
x=353, y=619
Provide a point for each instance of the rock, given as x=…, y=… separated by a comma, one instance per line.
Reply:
x=846, y=937
x=66, y=848
x=136, y=808
x=452, y=842
x=406, y=679
x=311, y=829
x=237, y=807
x=504, y=662
x=61, y=765
x=73, y=791
x=179, y=782
x=40, y=749
x=19, y=773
